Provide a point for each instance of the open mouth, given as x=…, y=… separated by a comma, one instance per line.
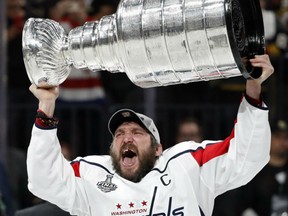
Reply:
x=129, y=157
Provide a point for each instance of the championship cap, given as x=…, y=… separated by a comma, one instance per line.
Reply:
x=127, y=115
x=279, y=125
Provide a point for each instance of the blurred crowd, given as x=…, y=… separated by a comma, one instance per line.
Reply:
x=105, y=89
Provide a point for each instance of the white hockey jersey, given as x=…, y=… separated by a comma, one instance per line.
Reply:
x=185, y=180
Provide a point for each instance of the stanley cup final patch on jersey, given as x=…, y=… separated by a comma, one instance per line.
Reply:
x=107, y=185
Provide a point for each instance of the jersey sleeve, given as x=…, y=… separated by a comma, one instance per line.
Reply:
x=50, y=175
x=233, y=162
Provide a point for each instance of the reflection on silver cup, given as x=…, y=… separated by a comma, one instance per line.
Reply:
x=155, y=42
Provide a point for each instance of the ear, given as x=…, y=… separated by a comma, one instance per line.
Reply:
x=159, y=150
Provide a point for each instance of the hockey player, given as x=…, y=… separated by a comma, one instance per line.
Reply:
x=139, y=177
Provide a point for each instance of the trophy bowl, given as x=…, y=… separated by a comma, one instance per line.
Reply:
x=42, y=42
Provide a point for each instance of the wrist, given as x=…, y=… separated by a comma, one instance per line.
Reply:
x=47, y=107
x=253, y=101
x=45, y=122
x=253, y=89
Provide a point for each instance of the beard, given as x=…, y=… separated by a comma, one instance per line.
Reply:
x=146, y=159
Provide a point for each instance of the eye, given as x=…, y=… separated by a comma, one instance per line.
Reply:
x=118, y=133
x=139, y=132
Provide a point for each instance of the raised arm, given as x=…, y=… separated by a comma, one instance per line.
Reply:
x=50, y=176
x=237, y=159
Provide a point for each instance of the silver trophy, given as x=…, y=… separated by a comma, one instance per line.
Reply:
x=155, y=42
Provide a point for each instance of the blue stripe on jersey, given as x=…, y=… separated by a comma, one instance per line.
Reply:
x=94, y=164
x=172, y=158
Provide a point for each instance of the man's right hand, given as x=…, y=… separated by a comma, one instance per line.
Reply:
x=46, y=97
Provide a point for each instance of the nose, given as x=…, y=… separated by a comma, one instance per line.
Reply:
x=128, y=137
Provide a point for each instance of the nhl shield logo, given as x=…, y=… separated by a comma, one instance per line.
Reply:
x=107, y=185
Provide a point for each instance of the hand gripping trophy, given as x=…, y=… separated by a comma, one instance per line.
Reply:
x=155, y=42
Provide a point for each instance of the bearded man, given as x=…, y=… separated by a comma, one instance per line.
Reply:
x=138, y=177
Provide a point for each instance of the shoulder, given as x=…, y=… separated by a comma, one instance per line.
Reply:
x=188, y=148
x=103, y=162
x=180, y=149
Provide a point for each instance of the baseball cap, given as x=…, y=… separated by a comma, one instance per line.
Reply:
x=126, y=115
x=279, y=125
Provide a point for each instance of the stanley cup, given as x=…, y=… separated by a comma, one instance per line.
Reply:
x=155, y=42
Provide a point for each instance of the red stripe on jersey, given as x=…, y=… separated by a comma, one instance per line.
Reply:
x=76, y=168
x=202, y=156
x=81, y=83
